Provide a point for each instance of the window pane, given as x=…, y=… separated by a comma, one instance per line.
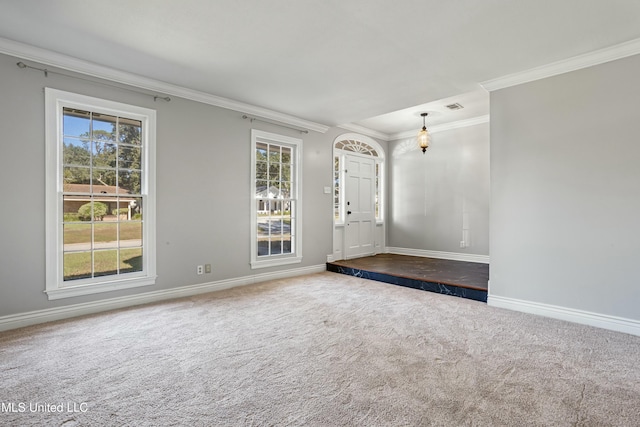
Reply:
x=104, y=181
x=276, y=246
x=274, y=154
x=261, y=152
x=264, y=226
x=274, y=189
x=263, y=246
x=276, y=227
x=286, y=155
x=278, y=206
x=76, y=122
x=118, y=211
x=71, y=205
x=285, y=189
x=274, y=171
x=130, y=234
x=286, y=172
x=261, y=171
x=129, y=157
x=263, y=207
x=286, y=244
x=74, y=175
x=130, y=260
x=76, y=152
x=336, y=187
x=105, y=263
x=92, y=211
x=104, y=154
x=281, y=245
x=77, y=265
x=130, y=131
x=261, y=189
x=129, y=182
x=104, y=127
x=77, y=237
x=286, y=224
x=105, y=236
x=135, y=207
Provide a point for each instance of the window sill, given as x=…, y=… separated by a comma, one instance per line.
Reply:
x=275, y=262
x=95, y=288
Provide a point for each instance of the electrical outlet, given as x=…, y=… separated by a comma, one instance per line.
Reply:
x=207, y=268
x=200, y=269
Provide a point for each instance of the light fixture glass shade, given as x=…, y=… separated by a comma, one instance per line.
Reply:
x=423, y=139
x=423, y=135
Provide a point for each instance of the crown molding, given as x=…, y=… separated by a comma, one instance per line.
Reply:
x=601, y=56
x=460, y=124
x=54, y=59
x=365, y=131
x=442, y=127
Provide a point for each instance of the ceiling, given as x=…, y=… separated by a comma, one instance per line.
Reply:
x=370, y=63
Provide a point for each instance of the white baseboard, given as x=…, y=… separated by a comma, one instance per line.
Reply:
x=20, y=320
x=604, y=321
x=454, y=256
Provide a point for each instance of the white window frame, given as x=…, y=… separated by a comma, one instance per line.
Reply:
x=55, y=286
x=296, y=255
x=379, y=189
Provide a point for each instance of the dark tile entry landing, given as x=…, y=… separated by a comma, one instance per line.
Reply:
x=457, y=278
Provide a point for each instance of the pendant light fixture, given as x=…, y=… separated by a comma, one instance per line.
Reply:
x=423, y=135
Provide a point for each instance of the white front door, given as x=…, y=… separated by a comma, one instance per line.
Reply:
x=360, y=218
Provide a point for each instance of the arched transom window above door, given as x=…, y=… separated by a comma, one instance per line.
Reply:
x=356, y=145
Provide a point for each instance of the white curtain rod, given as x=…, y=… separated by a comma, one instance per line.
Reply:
x=46, y=74
x=251, y=119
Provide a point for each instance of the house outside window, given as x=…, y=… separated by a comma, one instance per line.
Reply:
x=276, y=201
x=100, y=206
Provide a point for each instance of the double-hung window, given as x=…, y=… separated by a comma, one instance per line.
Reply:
x=100, y=205
x=276, y=202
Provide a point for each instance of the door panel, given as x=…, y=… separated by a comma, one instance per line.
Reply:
x=360, y=218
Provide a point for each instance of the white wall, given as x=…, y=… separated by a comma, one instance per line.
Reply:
x=436, y=196
x=203, y=189
x=565, y=190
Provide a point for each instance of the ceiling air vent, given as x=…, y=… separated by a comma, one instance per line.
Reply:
x=455, y=106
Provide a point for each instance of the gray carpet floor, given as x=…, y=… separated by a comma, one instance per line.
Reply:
x=319, y=350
